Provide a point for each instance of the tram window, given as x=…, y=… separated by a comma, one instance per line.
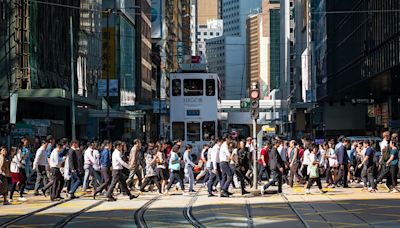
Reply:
x=208, y=131
x=193, y=132
x=210, y=87
x=193, y=87
x=176, y=87
x=178, y=130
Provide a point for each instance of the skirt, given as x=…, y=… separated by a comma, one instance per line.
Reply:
x=17, y=177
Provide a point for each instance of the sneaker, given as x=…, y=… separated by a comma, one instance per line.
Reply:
x=22, y=199
x=111, y=199
x=308, y=191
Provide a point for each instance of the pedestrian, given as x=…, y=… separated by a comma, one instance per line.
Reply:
x=4, y=174
x=368, y=166
x=276, y=165
x=39, y=166
x=57, y=178
x=175, y=167
x=150, y=176
x=17, y=169
x=343, y=162
x=189, y=166
x=263, y=161
x=27, y=156
x=227, y=175
x=236, y=165
x=313, y=170
x=105, y=165
x=117, y=165
x=89, y=163
x=305, y=162
x=75, y=166
x=215, y=164
x=134, y=164
x=161, y=170
x=294, y=162
x=393, y=164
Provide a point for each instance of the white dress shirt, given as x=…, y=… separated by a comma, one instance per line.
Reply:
x=224, y=153
x=88, y=158
x=215, y=156
x=55, y=161
x=40, y=157
x=117, y=162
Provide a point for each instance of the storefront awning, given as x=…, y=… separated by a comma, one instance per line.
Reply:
x=57, y=96
x=115, y=114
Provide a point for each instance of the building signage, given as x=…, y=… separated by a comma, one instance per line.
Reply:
x=127, y=98
x=156, y=19
x=193, y=100
x=102, y=88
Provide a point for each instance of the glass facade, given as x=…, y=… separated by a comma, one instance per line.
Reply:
x=126, y=61
x=275, y=48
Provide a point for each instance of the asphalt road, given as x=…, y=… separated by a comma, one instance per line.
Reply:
x=338, y=208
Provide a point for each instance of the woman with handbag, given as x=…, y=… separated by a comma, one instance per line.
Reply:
x=175, y=167
x=313, y=170
x=17, y=169
x=4, y=173
x=332, y=164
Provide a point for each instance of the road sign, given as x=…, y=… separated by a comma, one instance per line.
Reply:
x=245, y=103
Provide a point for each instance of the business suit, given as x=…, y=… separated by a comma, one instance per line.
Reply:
x=343, y=161
x=275, y=163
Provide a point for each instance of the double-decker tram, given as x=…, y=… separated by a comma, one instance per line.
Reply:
x=194, y=101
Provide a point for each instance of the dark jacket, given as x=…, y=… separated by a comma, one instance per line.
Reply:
x=75, y=160
x=275, y=160
x=343, y=157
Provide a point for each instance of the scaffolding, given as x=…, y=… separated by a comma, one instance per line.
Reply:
x=22, y=71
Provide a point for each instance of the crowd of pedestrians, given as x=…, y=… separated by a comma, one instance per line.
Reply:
x=104, y=168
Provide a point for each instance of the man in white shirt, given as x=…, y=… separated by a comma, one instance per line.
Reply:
x=117, y=165
x=227, y=175
x=58, y=181
x=215, y=169
x=39, y=165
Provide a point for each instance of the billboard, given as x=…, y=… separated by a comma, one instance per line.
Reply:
x=102, y=88
x=156, y=19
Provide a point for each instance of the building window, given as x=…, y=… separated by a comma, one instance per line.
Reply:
x=193, y=131
x=211, y=34
x=178, y=131
x=176, y=87
x=193, y=87
x=205, y=33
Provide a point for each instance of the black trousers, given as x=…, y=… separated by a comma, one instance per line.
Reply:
x=227, y=176
x=149, y=180
x=240, y=176
x=175, y=177
x=367, y=175
x=213, y=178
x=394, y=170
x=263, y=169
x=117, y=177
x=58, y=183
x=106, y=176
x=276, y=177
x=312, y=180
x=343, y=173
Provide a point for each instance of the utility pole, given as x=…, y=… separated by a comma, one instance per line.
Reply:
x=254, y=114
x=108, y=75
x=73, y=130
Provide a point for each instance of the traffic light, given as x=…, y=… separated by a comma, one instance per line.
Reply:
x=254, y=101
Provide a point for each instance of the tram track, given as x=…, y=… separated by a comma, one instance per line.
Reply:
x=25, y=216
x=297, y=213
x=139, y=213
x=69, y=218
x=187, y=212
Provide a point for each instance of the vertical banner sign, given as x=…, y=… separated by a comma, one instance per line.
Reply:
x=156, y=19
x=304, y=74
x=13, y=107
x=108, y=53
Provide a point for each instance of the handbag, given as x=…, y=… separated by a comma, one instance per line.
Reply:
x=333, y=162
x=314, y=172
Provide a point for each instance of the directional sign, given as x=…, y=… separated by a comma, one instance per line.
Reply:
x=245, y=103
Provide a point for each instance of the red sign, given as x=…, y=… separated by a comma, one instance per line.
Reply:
x=196, y=59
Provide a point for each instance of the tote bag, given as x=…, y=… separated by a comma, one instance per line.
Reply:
x=314, y=171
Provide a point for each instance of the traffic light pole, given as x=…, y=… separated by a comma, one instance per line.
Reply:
x=255, y=154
